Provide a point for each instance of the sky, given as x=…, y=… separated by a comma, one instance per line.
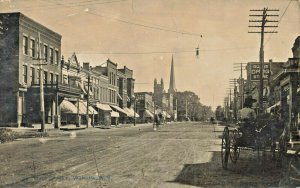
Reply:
x=144, y=35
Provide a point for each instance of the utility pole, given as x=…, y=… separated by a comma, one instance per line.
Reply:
x=87, y=101
x=240, y=67
x=263, y=14
x=242, y=88
x=186, y=112
x=134, y=111
x=42, y=106
x=155, y=117
x=234, y=81
x=226, y=107
x=229, y=103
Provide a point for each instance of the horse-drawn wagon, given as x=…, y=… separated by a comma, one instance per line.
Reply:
x=260, y=135
x=265, y=134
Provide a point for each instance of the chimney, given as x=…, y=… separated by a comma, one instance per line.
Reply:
x=86, y=66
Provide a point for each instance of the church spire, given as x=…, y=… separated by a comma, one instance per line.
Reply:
x=172, y=88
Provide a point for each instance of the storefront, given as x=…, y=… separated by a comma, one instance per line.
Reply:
x=104, y=114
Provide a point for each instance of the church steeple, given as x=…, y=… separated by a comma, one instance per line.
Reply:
x=172, y=88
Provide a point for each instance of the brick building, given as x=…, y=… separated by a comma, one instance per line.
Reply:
x=21, y=44
x=30, y=62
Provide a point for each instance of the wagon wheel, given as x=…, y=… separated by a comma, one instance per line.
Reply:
x=273, y=149
x=234, y=149
x=292, y=174
x=282, y=151
x=225, y=147
x=294, y=169
x=260, y=147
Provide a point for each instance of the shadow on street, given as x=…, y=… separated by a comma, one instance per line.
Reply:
x=247, y=172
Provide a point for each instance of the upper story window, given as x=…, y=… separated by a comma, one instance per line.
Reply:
x=38, y=75
x=46, y=53
x=56, y=57
x=56, y=78
x=45, y=77
x=65, y=79
x=51, y=79
x=114, y=79
x=51, y=56
x=25, y=45
x=110, y=78
x=32, y=47
x=25, y=73
x=32, y=75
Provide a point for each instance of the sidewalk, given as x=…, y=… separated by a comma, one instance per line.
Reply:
x=71, y=127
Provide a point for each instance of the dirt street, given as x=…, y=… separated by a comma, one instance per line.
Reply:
x=177, y=155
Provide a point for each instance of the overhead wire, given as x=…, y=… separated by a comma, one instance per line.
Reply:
x=269, y=38
x=74, y=4
x=83, y=4
x=162, y=52
x=157, y=27
x=129, y=21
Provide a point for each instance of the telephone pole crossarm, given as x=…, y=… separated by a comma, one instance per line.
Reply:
x=263, y=15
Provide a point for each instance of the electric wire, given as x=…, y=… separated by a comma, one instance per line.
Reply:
x=74, y=4
x=160, y=52
x=269, y=38
x=129, y=21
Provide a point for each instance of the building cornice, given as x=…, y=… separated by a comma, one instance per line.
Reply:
x=34, y=26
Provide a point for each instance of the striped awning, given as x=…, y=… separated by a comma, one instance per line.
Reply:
x=131, y=112
x=68, y=108
x=119, y=109
x=147, y=113
x=104, y=107
x=165, y=114
x=82, y=108
x=119, y=96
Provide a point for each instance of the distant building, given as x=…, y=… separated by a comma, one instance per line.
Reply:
x=163, y=101
x=145, y=106
x=127, y=95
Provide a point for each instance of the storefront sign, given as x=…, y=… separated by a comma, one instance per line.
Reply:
x=255, y=71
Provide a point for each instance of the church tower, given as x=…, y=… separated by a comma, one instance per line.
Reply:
x=172, y=88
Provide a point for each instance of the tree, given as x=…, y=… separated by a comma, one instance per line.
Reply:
x=190, y=108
